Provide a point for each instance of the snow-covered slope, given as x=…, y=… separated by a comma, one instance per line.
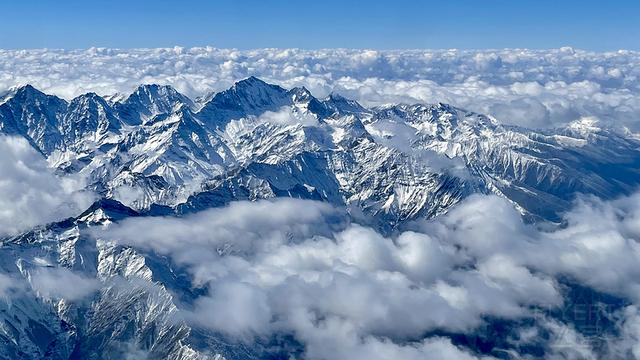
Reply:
x=28, y=112
x=124, y=310
x=156, y=152
x=398, y=162
x=147, y=101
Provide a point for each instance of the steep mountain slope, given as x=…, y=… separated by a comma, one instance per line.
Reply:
x=396, y=162
x=247, y=97
x=541, y=172
x=156, y=153
x=88, y=120
x=147, y=101
x=34, y=115
x=126, y=312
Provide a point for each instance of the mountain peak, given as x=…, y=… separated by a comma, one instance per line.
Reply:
x=90, y=97
x=149, y=100
x=252, y=84
x=33, y=114
x=341, y=105
x=584, y=126
x=88, y=114
x=252, y=79
x=27, y=88
x=250, y=96
x=301, y=93
x=156, y=92
x=27, y=91
x=155, y=88
x=107, y=210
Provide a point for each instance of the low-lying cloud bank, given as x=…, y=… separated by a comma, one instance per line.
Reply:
x=346, y=292
x=30, y=193
x=534, y=88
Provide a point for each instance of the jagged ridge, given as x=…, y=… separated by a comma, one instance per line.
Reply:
x=157, y=153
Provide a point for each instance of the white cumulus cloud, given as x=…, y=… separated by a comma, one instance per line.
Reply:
x=535, y=88
x=346, y=291
x=30, y=193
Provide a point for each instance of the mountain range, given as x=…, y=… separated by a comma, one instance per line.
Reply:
x=157, y=152
x=256, y=140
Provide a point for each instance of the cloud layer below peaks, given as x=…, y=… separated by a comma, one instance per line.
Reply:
x=347, y=292
x=533, y=88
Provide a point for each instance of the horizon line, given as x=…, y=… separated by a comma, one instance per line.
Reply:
x=211, y=47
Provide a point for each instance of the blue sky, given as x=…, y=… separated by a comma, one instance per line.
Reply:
x=399, y=24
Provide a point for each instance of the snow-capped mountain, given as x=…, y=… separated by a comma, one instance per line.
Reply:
x=157, y=152
x=88, y=120
x=28, y=112
x=395, y=162
x=147, y=101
